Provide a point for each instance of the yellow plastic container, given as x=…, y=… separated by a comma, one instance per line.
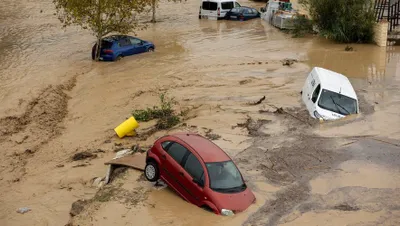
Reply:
x=127, y=127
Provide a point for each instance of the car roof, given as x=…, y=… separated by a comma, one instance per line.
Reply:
x=335, y=82
x=112, y=38
x=206, y=149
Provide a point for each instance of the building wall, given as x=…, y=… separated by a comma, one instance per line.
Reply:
x=381, y=33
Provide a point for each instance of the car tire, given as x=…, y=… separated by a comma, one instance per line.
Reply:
x=118, y=58
x=151, y=171
x=151, y=49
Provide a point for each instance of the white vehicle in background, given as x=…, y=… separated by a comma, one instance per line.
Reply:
x=279, y=13
x=329, y=95
x=216, y=9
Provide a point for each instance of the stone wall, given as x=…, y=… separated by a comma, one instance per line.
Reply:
x=381, y=33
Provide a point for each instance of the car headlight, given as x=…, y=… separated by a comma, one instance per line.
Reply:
x=318, y=116
x=226, y=212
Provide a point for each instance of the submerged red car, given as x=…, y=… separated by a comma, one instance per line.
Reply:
x=200, y=172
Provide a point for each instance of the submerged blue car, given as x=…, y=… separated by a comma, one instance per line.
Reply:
x=117, y=46
x=242, y=13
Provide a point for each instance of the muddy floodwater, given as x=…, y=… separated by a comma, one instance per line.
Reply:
x=55, y=102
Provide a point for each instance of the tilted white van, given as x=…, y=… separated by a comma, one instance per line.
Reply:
x=216, y=9
x=329, y=95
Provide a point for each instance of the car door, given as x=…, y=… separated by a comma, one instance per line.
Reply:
x=171, y=161
x=247, y=13
x=125, y=46
x=138, y=46
x=194, y=177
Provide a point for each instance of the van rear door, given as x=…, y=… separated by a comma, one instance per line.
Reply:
x=209, y=10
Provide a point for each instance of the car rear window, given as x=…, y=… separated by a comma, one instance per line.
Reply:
x=227, y=5
x=209, y=6
x=106, y=44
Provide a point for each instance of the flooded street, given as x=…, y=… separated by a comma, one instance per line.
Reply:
x=55, y=102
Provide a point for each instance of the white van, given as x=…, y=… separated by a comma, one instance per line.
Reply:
x=329, y=95
x=216, y=9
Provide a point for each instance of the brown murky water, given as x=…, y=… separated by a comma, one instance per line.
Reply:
x=62, y=102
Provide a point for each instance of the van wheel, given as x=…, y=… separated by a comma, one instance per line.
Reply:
x=151, y=171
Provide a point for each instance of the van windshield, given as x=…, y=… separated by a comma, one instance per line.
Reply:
x=338, y=103
x=227, y=5
x=225, y=177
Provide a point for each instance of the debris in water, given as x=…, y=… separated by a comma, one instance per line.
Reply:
x=288, y=62
x=212, y=136
x=346, y=207
x=279, y=111
x=83, y=155
x=81, y=165
x=23, y=210
x=348, y=48
x=60, y=165
x=258, y=102
x=77, y=207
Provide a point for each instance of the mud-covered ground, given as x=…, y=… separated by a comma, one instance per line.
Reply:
x=56, y=102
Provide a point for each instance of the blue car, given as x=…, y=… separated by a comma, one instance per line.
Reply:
x=242, y=13
x=117, y=46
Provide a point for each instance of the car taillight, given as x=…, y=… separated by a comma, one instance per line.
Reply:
x=219, y=11
x=108, y=51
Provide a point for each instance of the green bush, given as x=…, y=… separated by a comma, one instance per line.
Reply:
x=301, y=26
x=345, y=21
x=164, y=113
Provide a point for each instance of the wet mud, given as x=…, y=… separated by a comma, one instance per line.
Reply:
x=229, y=79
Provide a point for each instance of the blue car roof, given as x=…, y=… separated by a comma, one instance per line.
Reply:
x=113, y=38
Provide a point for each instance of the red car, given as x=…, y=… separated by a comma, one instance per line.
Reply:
x=200, y=172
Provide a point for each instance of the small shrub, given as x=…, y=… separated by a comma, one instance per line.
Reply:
x=164, y=113
x=302, y=26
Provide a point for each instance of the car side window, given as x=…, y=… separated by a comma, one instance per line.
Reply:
x=194, y=168
x=124, y=42
x=315, y=94
x=135, y=41
x=165, y=144
x=177, y=152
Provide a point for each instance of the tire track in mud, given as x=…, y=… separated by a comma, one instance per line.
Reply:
x=23, y=135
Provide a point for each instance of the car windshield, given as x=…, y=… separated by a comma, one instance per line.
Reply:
x=338, y=103
x=225, y=177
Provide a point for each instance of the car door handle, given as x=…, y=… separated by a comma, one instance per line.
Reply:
x=181, y=173
x=164, y=156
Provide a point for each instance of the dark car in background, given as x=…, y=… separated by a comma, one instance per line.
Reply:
x=242, y=13
x=117, y=46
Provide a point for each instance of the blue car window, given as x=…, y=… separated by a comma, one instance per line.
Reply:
x=124, y=42
x=135, y=41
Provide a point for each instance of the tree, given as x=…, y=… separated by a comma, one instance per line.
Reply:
x=101, y=17
x=154, y=5
x=343, y=20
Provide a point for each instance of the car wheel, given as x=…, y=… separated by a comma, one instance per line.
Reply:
x=118, y=58
x=151, y=49
x=151, y=172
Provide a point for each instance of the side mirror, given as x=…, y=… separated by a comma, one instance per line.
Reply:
x=200, y=183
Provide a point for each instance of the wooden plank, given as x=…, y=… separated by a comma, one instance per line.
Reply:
x=136, y=161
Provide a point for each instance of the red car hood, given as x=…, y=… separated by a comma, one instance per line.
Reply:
x=237, y=202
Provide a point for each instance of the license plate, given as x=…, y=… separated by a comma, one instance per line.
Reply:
x=233, y=17
x=204, y=17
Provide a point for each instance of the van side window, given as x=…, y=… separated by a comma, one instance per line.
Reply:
x=227, y=5
x=237, y=4
x=316, y=93
x=209, y=6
